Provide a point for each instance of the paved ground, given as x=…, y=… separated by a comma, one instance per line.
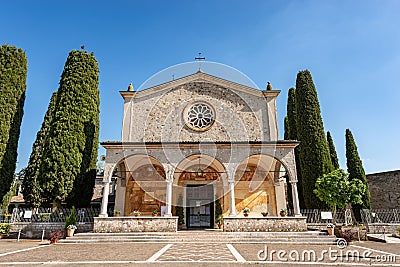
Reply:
x=33, y=253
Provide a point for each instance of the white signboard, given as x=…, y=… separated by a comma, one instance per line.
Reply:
x=28, y=214
x=326, y=215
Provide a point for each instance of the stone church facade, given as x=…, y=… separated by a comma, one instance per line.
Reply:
x=190, y=141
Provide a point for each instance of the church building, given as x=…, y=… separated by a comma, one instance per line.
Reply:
x=195, y=140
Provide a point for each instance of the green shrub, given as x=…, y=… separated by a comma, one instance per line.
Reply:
x=218, y=211
x=5, y=228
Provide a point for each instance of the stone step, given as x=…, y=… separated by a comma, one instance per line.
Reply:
x=207, y=233
x=305, y=242
x=204, y=237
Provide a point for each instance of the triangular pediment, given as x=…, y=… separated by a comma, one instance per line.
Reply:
x=201, y=77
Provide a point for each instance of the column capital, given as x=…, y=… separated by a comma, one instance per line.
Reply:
x=108, y=171
x=169, y=172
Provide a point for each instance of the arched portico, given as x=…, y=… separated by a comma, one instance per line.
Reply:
x=228, y=165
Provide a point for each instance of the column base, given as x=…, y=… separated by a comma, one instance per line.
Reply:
x=167, y=215
x=103, y=215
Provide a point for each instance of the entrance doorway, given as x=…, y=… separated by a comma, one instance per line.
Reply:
x=199, y=206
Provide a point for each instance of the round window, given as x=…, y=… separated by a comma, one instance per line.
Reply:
x=199, y=116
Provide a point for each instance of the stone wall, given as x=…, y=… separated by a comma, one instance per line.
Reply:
x=384, y=190
x=35, y=230
x=380, y=228
x=135, y=224
x=265, y=224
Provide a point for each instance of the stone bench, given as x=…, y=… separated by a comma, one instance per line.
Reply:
x=265, y=224
x=135, y=224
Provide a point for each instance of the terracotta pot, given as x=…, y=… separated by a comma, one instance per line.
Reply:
x=283, y=215
x=116, y=215
x=154, y=215
x=137, y=215
x=179, y=227
x=265, y=215
x=220, y=226
x=330, y=231
x=245, y=214
x=70, y=232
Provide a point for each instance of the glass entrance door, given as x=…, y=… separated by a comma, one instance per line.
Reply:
x=200, y=206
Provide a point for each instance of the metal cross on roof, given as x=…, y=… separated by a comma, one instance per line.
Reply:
x=199, y=58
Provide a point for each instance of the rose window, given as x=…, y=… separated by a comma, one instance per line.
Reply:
x=199, y=116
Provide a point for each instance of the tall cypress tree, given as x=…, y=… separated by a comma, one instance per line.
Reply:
x=31, y=188
x=13, y=70
x=292, y=135
x=289, y=187
x=68, y=167
x=291, y=114
x=356, y=170
x=314, y=152
x=332, y=151
x=286, y=128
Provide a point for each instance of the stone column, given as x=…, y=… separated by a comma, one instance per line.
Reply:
x=104, y=201
x=232, y=212
x=295, y=196
x=168, y=197
x=106, y=189
x=169, y=173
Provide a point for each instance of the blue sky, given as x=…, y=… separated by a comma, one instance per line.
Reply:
x=352, y=49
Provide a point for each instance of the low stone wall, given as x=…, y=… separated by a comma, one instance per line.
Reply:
x=360, y=232
x=135, y=224
x=35, y=229
x=373, y=228
x=379, y=228
x=265, y=224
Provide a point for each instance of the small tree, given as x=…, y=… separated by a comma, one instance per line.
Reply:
x=71, y=218
x=337, y=191
x=218, y=211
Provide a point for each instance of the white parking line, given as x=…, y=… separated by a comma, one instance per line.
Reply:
x=22, y=250
x=375, y=250
x=159, y=253
x=235, y=253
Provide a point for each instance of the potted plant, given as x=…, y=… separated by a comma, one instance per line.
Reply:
x=179, y=213
x=70, y=222
x=330, y=228
x=117, y=213
x=348, y=235
x=137, y=213
x=4, y=229
x=70, y=230
x=55, y=236
x=154, y=213
x=246, y=212
x=264, y=213
x=283, y=212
